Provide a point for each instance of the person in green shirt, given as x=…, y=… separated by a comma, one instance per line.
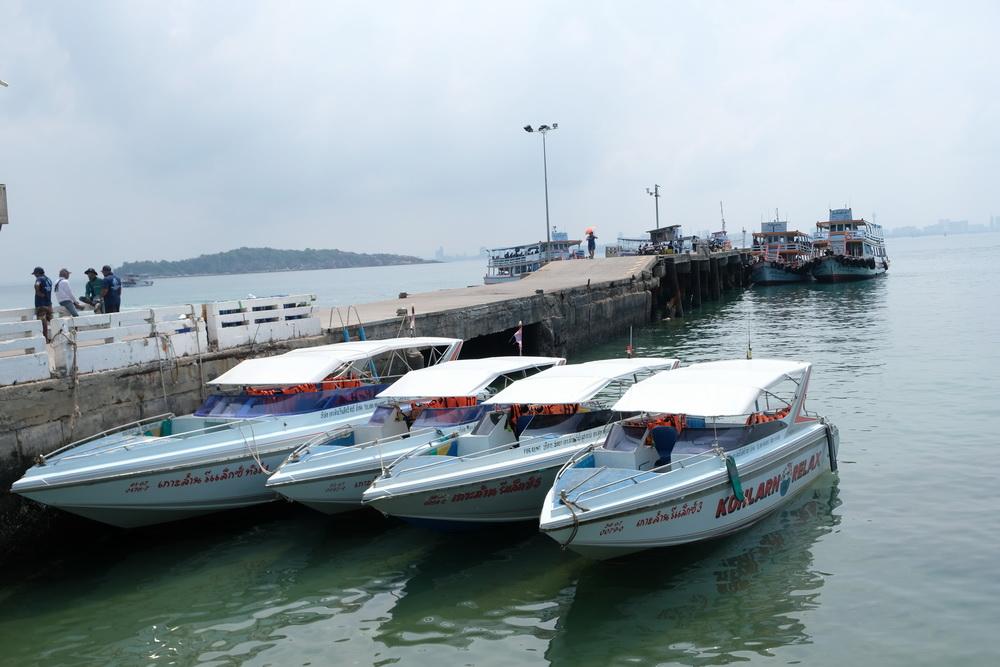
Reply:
x=93, y=290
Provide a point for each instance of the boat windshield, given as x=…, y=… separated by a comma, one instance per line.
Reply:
x=431, y=417
x=247, y=405
x=383, y=414
x=565, y=424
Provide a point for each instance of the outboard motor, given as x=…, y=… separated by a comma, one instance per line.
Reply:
x=664, y=439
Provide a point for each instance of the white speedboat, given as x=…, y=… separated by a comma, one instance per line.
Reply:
x=331, y=473
x=717, y=447
x=167, y=467
x=502, y=470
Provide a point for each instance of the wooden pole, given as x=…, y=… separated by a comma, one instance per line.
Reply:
x=676, y=287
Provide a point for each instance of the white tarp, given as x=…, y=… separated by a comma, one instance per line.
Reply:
x=465, y=377
x=576, y=383
x=313, y=364
x=712, y=389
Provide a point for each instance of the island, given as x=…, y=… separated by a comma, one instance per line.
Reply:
x=263, y=260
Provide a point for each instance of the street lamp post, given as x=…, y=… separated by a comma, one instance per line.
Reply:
x=545, y=129
x=655, y=194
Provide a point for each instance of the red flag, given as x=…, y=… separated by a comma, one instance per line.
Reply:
x=519, y=338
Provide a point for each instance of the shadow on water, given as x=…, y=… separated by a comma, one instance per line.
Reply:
x=714, y=603
x=506, y=582
x=197, y=589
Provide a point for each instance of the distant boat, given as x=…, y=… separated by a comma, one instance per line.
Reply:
x=515, y=262
x=848, y=249
x=780, y=256
x=136, y=280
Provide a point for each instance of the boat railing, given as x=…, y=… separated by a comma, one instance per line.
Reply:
x=173, y=437
x=667, y=468
x=111, y=431
x=442, y=460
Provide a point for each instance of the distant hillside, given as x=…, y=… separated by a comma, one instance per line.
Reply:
x=261, y=260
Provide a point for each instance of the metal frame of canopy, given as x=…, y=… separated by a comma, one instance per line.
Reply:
x=463, y=377
x=577, y=383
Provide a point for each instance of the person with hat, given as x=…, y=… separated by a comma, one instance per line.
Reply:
x=92, y=292
x=64, y=294
x=43, y=299
x=111, y=292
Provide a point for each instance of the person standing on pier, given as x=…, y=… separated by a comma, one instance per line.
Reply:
x=111, y=293
x=64, y=294
x=591, y=242
x=43, y=299
x=92, y=292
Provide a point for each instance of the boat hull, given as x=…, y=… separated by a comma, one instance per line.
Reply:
x=334, y=481
x=829, y=270
x=767, y=273
x=134, y=483
x=671, y=519
x=180, y=493
x=501, y=499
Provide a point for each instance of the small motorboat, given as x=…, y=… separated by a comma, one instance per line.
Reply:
x=716, y=447
x=167, y=467
x=330, y=473
x=501, y=471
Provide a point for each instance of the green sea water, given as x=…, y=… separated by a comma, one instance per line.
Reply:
x=892, y=562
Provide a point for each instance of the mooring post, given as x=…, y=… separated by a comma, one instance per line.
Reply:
x=676, y=287
x=713, y=266
x=696, y=272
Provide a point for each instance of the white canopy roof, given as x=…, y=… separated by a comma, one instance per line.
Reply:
x=313, y=364
x=576, y=383
x=465, y=377
x=717, y=388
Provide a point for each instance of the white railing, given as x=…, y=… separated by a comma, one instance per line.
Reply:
x=23, y=354
x=115, y=340
x=91, y=342
x=256, y=321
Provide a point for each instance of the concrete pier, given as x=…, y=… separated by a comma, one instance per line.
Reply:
x=564, y=308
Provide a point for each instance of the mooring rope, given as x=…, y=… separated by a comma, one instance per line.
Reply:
x=576, y=521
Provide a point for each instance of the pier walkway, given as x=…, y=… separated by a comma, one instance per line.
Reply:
x=551, y=278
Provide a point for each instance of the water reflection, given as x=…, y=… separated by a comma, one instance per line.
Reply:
x=712, y=603
x=483, y=585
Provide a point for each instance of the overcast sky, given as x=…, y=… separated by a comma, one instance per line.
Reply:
x=152, y=130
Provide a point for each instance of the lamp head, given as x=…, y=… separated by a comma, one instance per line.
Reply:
x=527, y=128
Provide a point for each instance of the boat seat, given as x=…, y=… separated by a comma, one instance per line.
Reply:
x=664, y=439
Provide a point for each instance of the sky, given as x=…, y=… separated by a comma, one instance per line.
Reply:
x=150, y=130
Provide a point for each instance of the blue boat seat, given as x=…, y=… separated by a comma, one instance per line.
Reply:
x=664, y=439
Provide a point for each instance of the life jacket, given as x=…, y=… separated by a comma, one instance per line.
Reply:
x=556, y=409
x=676, y=422
x=763, y=417
x=452, y=402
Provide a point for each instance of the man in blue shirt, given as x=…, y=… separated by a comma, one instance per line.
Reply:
x=43, y=299
x=111, y=293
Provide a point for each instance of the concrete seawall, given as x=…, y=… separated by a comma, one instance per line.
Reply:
x=564, y=308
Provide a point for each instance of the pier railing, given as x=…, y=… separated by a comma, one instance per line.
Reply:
x=100, y=342
x=23, y=353
x=258, y=321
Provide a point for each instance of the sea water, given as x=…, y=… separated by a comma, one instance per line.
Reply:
x=891, y=562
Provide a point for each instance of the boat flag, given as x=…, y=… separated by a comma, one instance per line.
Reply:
x=519, y=338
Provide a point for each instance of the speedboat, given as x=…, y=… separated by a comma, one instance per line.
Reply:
x=716, y=447
x=167, y=467
x=501, y=471
x=329, y=474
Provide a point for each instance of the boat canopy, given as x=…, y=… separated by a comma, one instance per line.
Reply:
x=576, y=383
x=464, y=377
x=313, y=364
x=712, y=389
